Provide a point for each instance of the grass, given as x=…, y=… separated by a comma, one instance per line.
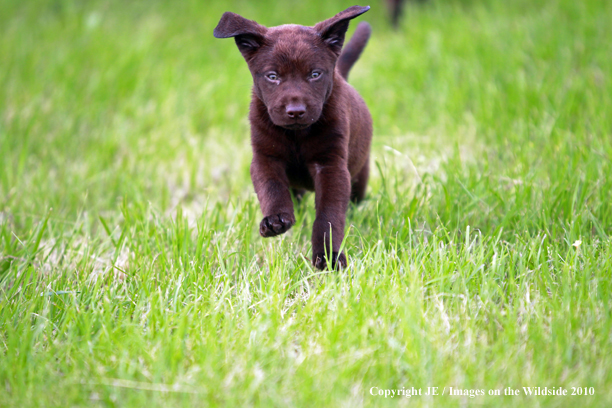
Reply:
x=131, y=270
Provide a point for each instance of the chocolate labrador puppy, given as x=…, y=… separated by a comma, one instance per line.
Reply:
x=310, y=130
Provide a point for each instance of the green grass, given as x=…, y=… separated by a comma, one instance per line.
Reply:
x=131, y=270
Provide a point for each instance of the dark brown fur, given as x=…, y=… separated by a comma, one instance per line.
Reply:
x=310, y=130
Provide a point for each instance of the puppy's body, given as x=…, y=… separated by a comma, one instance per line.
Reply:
x=309, y=128
x=341, y=137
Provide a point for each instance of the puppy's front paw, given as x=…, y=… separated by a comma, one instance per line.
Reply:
x=338, y=261
x=273, y=225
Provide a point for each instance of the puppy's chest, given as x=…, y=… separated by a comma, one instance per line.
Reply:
x=297, y=168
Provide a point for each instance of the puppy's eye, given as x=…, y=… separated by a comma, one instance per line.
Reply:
x=272, y=76
x=315, y=74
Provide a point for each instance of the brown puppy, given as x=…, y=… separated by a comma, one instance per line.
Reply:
x=310, y=130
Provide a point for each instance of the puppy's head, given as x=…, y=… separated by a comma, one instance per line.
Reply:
x=292, y=65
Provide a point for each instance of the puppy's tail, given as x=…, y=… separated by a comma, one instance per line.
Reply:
x=352, y=50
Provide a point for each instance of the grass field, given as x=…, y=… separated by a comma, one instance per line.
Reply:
x=131, y=269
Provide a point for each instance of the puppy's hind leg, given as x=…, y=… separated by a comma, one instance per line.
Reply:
x=360, y=182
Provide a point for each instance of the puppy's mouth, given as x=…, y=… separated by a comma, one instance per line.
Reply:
x=281, y=118
x=296, y=126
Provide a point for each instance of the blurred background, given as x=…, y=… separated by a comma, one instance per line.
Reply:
x=106, y=101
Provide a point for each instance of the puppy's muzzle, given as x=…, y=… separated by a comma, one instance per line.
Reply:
x=294, y=116
x=295, y=110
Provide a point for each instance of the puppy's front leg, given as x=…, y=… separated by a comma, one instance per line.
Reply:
x=272, y=187
x=332, y=192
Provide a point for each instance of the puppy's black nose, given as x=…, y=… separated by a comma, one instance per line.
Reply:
x=296, y=111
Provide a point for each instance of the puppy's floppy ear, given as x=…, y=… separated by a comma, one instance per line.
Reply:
x=332, y=30
x=248, y=34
